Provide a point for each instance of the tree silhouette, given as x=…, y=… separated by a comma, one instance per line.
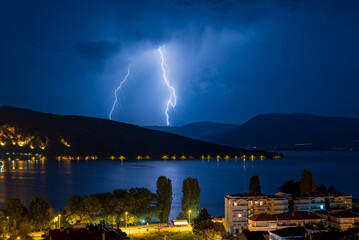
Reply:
x=164, y=198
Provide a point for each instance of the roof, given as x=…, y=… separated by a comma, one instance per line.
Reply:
x=297, y=215
x=345, y=214
x=290, y=231
x=327, y=194
x=327, y=236
x=241, y=195
x=258, y=235
x=277, y=197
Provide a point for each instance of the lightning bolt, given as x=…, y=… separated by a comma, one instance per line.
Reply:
x=117, y=89
x=173, y=99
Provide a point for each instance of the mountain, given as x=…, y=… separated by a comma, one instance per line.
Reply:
x=196, y=130
x=27, y=131
x=295, y=131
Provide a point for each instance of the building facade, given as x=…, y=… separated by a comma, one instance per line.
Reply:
x=239, y=207
x=342, y=220
x=270, y=222
x=320, y=201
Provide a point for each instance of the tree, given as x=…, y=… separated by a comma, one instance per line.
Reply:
x=322, y=188
x=20, y=230
x=290, y=187
x=111, y=207
x=143, y=203
x=40, y=213
x=164, y=198
x=15, y=210
x=191, y=197
x=73, y=212
x=203, y=221
x=314, y=186
x=331, y=189
x=84, y=209
x=181, y=216
x=306, y=182
x=91, y=209
x=254, y=186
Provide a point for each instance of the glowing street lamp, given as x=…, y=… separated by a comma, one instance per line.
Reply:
x=59, y=221
x=189, y=216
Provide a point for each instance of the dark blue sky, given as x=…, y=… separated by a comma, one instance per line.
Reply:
x=229, y=60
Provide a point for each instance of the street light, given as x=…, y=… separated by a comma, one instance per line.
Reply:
x=59, y=221
x=189, y=216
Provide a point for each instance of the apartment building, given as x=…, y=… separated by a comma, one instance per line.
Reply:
x=277, y=204
x=342, y=220
x=270, y=222
x=238, y=207
x=320, y=201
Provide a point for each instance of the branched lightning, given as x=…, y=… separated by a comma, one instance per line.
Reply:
x=117, y=89
x=173, y=99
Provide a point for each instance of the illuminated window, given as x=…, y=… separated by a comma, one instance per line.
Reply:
x=261, y=203
x=256, y=203
x=321, y=206
x=235, y=204
x=239, y=215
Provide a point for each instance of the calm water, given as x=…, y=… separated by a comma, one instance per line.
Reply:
x=57, y=181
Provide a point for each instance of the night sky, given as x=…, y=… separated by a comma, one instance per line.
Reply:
x=228, y=60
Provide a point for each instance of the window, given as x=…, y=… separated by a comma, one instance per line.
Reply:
x=239, y=215
x=322, y=206
x=235, y=204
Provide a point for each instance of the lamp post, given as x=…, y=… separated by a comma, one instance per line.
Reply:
x=189, y=216
x=126, y=219
x=59, y=221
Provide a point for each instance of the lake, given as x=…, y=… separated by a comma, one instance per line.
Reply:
x=59, y=180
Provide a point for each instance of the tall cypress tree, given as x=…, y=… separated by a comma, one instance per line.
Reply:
x=164, y=198
x=254, y=185
x=191, y=197
x=306, y=183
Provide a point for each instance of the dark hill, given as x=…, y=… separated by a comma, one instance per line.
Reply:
x=22, y=129
x=293, y=132
x=196, y=130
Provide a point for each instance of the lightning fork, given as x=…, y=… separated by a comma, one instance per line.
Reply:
x=173, y=99
x=117, y=89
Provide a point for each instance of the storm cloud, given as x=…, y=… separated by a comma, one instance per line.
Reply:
x=228, y=60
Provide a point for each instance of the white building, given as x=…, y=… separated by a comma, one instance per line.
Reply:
x=269, y=222
x=238, y=207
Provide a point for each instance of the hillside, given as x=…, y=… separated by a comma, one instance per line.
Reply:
x=29, y=131
x=196, y=130
x=293, y=132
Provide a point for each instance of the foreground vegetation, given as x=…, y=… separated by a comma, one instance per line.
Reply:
x=118, y=208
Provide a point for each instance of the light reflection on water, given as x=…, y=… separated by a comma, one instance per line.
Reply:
x=59, y=180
